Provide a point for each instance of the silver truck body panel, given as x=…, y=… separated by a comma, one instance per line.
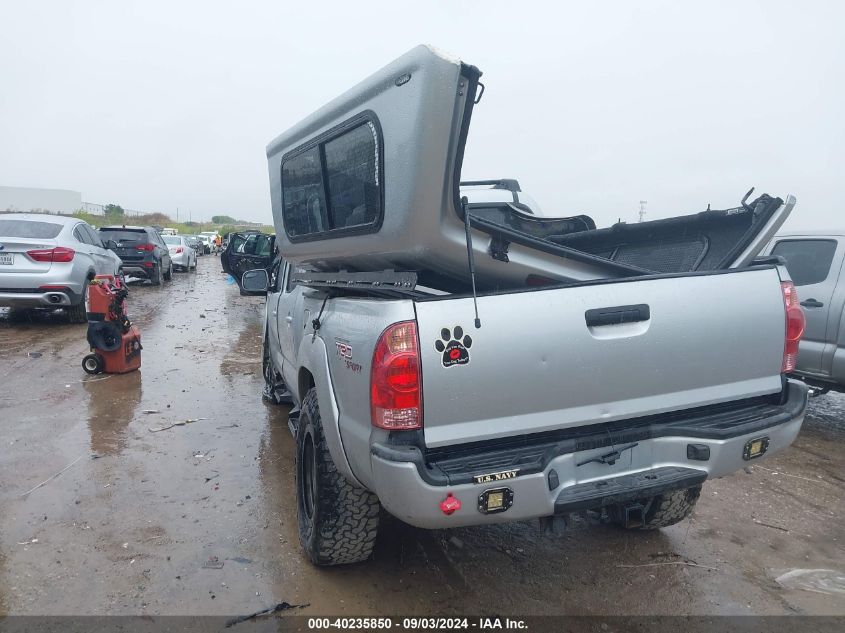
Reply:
x=341, y=375
x=535, y=365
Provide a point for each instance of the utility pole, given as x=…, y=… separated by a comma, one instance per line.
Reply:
x=177, y=215
x=642, y=209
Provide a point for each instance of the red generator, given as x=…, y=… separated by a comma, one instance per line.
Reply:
x=115, y=342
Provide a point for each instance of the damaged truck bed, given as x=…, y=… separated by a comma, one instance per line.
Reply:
x=409, y=212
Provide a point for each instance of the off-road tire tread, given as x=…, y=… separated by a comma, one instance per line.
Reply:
x=671, y=508
x=346, y=517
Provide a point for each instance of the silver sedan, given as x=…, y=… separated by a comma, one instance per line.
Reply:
x=184, y=257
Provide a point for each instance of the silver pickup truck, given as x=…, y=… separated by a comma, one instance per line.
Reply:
x=815, y=261
x=454, y=405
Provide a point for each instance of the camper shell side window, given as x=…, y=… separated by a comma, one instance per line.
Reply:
x=333, y=186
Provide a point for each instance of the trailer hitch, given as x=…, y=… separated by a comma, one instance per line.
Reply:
x=609, y=458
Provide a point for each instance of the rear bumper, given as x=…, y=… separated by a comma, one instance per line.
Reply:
x=182, y=259
x=555, y=476
x=138, y=270
x=26, y=299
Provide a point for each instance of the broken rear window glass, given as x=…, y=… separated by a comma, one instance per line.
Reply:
x=353, y=178
x=334, y=187
x=302, y=186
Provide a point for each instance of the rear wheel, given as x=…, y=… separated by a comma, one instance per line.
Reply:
x=665, y=509
x=78, y=313
x=338, y=521
x=92, y=364
x=155, y=279
x=169, y=274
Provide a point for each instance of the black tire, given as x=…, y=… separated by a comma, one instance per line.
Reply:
x=93, y=364
x=669, y=508
x=155, y=279
x=273, y=386
x=169, y=274
x=78, y=313
x=338, y=522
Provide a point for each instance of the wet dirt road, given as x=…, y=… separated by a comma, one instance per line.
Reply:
x=127, y=527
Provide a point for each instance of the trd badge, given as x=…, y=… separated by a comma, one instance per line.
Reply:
x=454, y=346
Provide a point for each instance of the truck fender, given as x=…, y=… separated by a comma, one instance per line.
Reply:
x=313, y=357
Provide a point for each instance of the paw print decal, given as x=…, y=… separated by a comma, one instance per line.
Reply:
x=454, y=345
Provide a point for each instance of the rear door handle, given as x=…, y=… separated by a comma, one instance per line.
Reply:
x=812, y=303
x=289, y=319
x=616, y=315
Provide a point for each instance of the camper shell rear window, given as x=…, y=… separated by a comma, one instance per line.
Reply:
x=333, y=186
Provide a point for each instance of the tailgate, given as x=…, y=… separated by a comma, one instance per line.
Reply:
x=129, y=254
x=536, y=365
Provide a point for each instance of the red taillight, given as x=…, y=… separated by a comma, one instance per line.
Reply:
x=146, y=247
x=795, y=322
x=179, y=249
x=58, y=254
x=395, y=386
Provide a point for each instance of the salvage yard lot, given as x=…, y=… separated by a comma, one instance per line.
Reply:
x=131, y=524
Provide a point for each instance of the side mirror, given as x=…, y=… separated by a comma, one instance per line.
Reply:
x=255, y=282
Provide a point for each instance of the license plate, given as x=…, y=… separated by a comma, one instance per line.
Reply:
x=7, y=259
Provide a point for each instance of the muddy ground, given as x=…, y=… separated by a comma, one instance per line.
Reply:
x=129, y=523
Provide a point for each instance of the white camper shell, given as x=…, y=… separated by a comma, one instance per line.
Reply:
x=371, y=182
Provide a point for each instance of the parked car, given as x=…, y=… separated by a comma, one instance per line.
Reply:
x=195, y=243
x=208, y=238
x=142, y=251
x=815, y=262
x=205, y=240
x=450, y=404
x=183, y=256
x=247, y=251
x=46, y=261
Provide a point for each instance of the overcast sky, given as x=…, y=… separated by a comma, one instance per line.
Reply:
x=591, y=106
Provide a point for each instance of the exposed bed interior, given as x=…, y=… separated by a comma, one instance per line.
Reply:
x=709, y=240
x=706, y=241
